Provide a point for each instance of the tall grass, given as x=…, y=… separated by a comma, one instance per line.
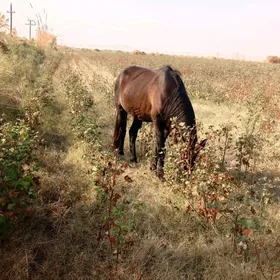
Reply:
x=45, y=37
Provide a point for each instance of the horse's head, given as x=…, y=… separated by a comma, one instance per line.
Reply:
x=198, y=147
x=188, y=136
x=193, y=152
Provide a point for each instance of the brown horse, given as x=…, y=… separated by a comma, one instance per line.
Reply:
x=153, y=95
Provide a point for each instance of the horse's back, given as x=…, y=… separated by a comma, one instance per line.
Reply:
x=145, y=79
x=135, y=70
x=143, y=91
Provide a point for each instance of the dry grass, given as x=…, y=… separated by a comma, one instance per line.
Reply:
x=3, y=47
x=45, y=39
x=60, y=239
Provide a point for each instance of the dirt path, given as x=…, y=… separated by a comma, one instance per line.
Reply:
x=99, y=69
x=100, y=83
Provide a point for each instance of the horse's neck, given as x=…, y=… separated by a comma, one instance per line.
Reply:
x=183, y=111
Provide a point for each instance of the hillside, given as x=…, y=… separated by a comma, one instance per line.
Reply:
x=93, y=215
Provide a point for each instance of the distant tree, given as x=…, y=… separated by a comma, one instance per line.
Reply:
x=3, y=23
x=273, y=59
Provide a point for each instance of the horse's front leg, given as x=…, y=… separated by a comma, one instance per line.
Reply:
x=155, y=160
x=159, y=150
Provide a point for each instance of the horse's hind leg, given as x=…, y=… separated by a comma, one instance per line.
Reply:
x=120, y=129
x=136, y=125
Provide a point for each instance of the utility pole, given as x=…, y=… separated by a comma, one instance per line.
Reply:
x=11, y=12
x=31, y=23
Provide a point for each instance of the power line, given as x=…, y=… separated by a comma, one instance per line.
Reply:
x=31, y=23
x=11, y=12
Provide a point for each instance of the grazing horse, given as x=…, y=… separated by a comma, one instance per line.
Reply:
x=153, y=95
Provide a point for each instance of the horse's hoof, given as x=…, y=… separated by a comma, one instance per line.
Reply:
x=133, y=160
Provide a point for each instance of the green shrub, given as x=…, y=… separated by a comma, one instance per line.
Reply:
x=27, y=78
x=17, y=167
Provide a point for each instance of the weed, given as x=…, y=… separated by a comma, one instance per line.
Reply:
x=118, y=226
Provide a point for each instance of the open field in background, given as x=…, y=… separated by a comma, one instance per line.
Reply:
x=98, y=217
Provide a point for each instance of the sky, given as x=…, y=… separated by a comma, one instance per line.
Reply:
x=247, y=29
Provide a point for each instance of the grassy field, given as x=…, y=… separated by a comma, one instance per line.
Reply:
x=88, y=214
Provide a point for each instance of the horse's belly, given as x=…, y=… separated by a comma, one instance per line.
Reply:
x=145, y=118
x=143, y=114
x=137, y=105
